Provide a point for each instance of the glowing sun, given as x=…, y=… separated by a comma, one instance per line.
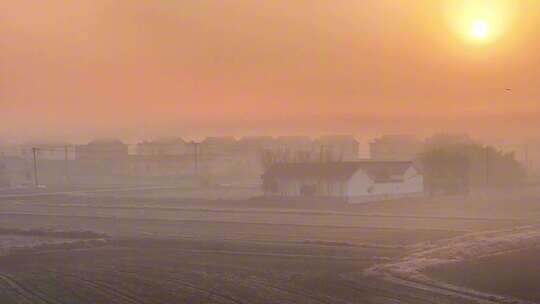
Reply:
x=481, y=22
x=479, y=29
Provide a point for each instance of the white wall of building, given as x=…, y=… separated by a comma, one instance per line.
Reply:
x=413, y=181
x=361, y=185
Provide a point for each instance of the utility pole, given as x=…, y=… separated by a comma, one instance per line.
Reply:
x=34, y=154
x=487, y=166
x=66, y=164
x=197, y=159
x=527, y=157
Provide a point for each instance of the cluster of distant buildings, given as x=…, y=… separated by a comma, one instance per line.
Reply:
x=167, y=159
x=327, y=148
x=327, y=167
x=337, y=147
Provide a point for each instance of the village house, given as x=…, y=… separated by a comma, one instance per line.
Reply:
x=293, y=148
x=294, y=143
x=10, y=150
x=395, y=147
x=15, y=171
x=358, y=181
x=58, y=151
x=160, y=166
x=218, y=145
x=102, y=149
x=256, y=143
x=165, y=146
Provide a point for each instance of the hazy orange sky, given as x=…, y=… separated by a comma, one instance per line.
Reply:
x=137, y=68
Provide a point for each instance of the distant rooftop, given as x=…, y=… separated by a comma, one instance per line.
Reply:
x=293, y=139
x=396, y=138
x=106, y=141
x=219, y=139
x=250, y=139
x=165, y=140
x=337, y=138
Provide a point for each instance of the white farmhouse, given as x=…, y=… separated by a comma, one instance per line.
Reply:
x=355, y=181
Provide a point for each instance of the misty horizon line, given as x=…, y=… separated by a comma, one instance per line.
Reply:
x=362, y=140
x=484, y=127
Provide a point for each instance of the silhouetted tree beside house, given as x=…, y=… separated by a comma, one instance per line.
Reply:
x=457, y=167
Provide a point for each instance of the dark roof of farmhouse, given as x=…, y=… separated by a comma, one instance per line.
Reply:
x=379, y=171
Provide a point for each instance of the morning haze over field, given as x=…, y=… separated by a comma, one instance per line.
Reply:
x=270, y=151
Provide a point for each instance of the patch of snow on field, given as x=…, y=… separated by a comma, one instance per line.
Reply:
x=8, y=243
x=13, y=244
x=460, y=248
x=474, y=245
